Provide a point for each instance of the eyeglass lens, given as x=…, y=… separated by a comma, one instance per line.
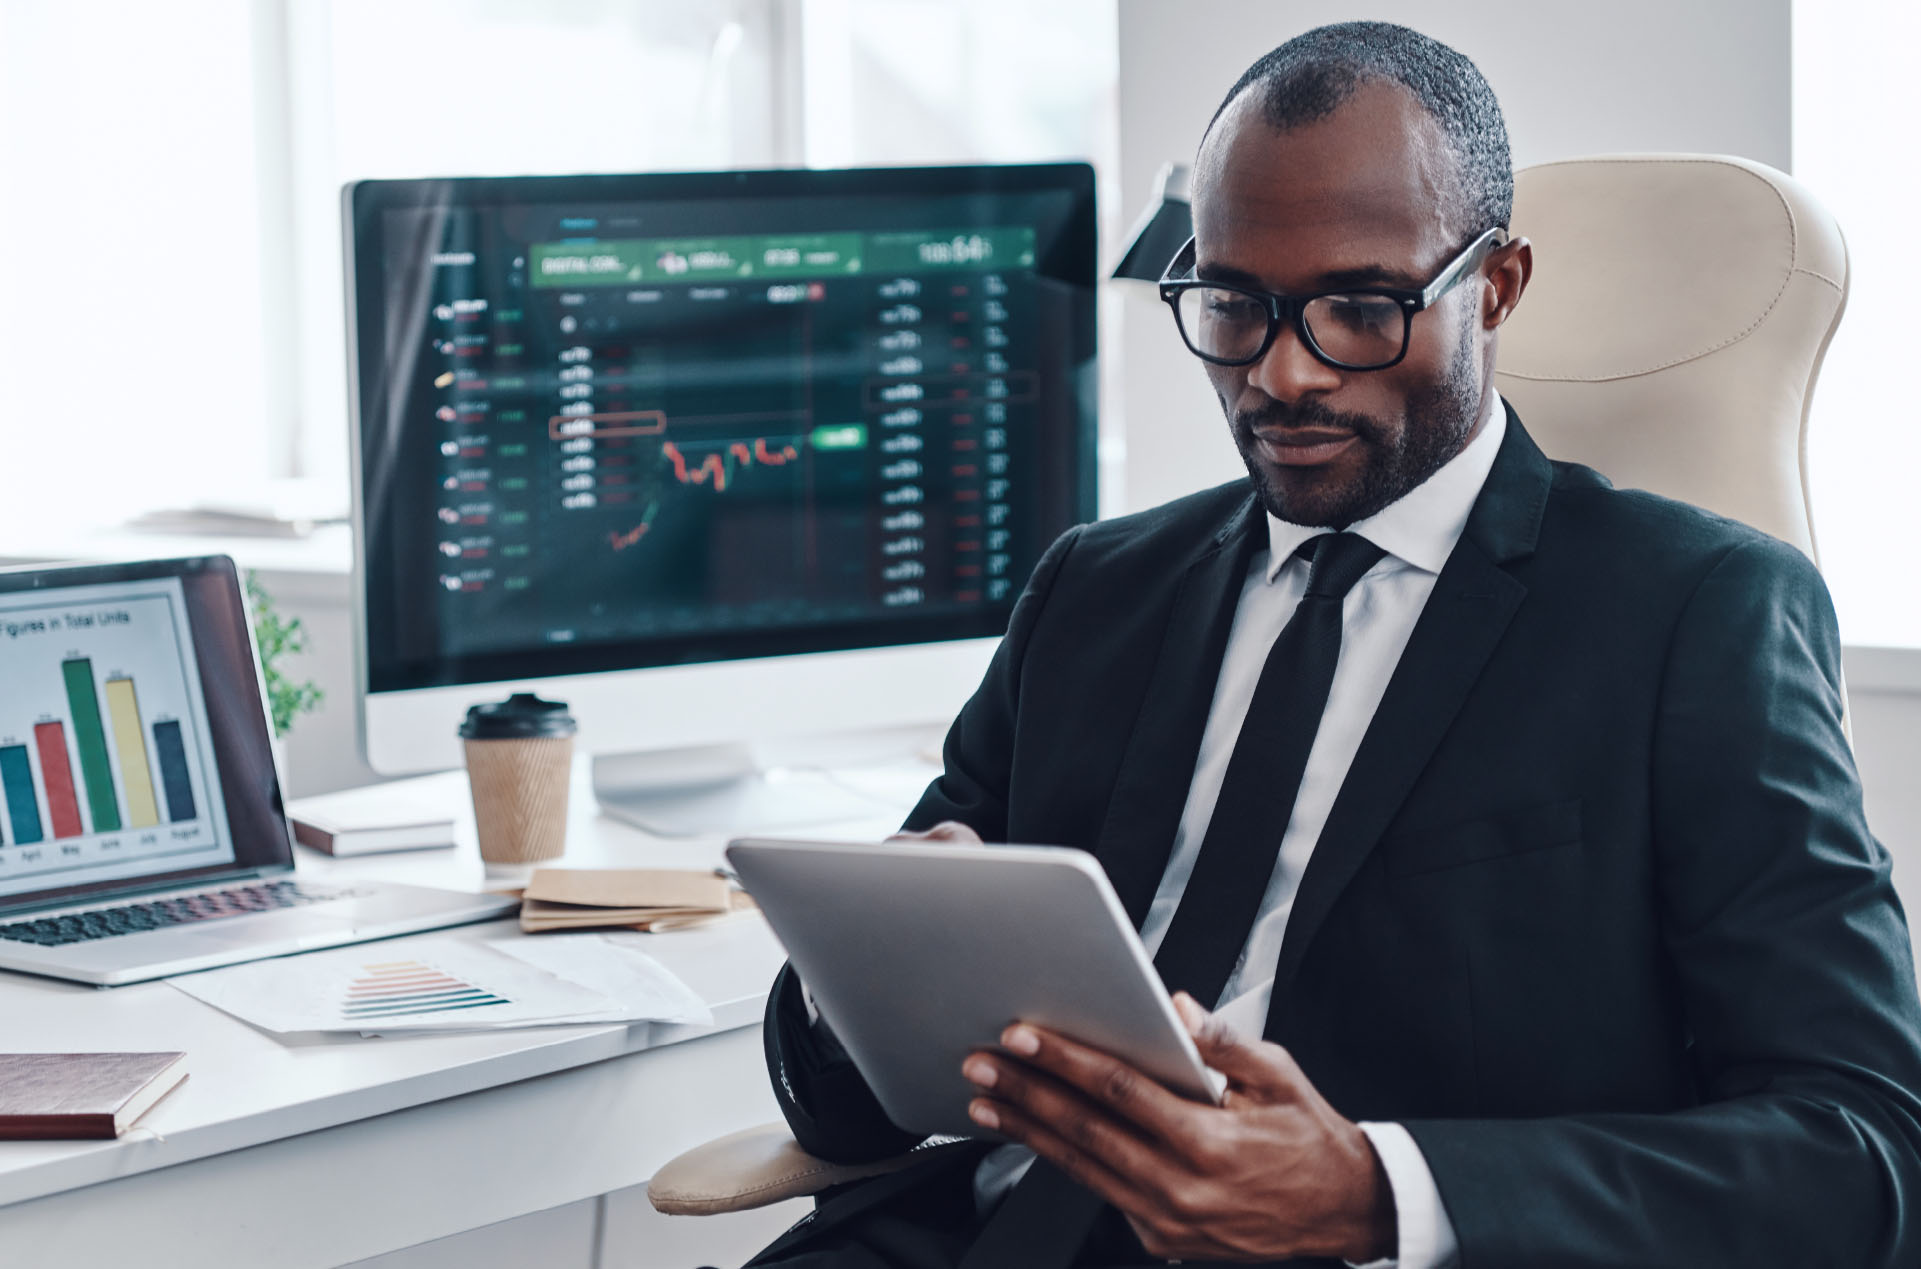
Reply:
x=1357, y=330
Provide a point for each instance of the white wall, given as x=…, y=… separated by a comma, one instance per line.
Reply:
x=1884, y=693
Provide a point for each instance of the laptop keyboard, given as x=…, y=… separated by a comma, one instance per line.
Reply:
x=158, y=914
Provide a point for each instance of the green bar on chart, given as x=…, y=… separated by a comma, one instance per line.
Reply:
x=92, y=740
x=130, y=742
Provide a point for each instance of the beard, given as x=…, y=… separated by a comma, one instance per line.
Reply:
x=1439, y=419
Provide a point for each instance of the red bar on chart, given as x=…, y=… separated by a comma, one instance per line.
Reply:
x=62, y=805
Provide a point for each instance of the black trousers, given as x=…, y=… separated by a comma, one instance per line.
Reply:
x=923, y=1218
x=919, y=1218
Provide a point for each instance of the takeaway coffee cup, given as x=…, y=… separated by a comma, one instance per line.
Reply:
x=519, y=753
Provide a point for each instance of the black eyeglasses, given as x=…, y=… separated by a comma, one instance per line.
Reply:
x=1354, y=328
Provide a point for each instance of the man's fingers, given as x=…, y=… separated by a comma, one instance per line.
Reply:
x=1105, y=1159
x=1063, y=1111
x=1106, y=1082
x=1077, y=1161
x=946, y=831
x=1265, y=1070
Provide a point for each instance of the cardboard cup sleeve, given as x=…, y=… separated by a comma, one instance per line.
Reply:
x=520, y=796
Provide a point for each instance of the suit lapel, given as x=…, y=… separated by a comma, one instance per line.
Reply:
x=1473, y=600
x=1150, y=792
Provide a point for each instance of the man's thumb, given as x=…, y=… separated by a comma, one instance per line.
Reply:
x=1221, y=1048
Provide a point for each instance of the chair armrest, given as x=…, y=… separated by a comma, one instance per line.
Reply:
x=758, y=1166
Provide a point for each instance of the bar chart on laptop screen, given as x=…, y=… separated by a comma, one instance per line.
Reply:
x=105, y=763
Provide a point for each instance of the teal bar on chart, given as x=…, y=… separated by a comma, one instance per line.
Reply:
x=173, y=770
x=23, y=804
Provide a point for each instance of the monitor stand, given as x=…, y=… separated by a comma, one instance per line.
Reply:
x=736, y=790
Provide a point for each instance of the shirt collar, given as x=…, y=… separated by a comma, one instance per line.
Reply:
x=1422, y=527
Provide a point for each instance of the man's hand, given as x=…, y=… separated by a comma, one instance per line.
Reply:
x=1271, y=1173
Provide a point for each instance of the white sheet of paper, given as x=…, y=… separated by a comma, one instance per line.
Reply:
x=613, y=965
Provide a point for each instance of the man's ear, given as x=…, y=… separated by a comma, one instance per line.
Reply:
x=1513, y=265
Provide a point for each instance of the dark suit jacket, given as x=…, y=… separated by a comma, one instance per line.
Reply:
x=1596, y=913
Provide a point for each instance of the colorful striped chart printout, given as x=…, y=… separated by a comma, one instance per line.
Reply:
x=395, y=989
x=442, y=982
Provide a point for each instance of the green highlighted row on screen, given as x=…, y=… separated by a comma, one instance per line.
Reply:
x=839, y=436
x=626, y=261
x=654, y=261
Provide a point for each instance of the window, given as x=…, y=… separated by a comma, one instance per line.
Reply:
x=173, y=330
x=136, y=356
x=954, y=81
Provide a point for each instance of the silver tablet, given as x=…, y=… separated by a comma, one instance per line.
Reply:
x=917, y=954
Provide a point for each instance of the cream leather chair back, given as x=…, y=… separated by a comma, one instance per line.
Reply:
x=1674, y=327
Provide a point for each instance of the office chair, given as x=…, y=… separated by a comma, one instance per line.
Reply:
x=1679, y=311
x=1670, y=338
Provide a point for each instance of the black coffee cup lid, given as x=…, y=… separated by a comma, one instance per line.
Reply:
x=521, y=716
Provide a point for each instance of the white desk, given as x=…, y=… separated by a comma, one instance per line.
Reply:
x=322, y=1153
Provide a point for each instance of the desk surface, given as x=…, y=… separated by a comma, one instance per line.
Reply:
x=247, y=1087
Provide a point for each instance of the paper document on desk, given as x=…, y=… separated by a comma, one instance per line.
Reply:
x=448, y=983
x=651, y=899
x=614, y=965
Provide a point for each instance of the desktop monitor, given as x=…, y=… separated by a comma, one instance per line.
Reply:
x=716, y=458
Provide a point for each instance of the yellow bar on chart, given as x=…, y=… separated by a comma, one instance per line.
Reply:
x=130, y=741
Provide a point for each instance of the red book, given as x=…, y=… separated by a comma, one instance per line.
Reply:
x=46, y=1095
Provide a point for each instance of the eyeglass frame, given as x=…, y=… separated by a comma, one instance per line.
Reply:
x=1292, y=309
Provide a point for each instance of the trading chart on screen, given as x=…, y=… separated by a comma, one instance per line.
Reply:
x=642, y=436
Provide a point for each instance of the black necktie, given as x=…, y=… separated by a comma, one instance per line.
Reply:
x=1224, y=892
x=1046, y=1218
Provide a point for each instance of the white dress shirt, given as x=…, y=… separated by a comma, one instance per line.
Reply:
x=1417, y=533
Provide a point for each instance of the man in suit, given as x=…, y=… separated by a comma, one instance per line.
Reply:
x=1505, y=819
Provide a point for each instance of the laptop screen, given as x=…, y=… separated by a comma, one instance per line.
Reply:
x=133, y=744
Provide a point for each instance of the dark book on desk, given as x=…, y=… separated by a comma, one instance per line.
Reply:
x=59, y=1095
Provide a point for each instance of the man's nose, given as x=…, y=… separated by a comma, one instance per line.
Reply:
x=1288, y=371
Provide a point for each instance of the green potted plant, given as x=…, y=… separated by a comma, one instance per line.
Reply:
x=277, y=636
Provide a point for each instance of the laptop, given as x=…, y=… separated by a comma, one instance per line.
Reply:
x=142, y=831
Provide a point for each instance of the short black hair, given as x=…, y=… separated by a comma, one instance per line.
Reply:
x=1308, y=77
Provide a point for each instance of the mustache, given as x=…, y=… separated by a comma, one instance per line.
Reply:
x=1279, y=416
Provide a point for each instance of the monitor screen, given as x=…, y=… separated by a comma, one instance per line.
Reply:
x=629, y=421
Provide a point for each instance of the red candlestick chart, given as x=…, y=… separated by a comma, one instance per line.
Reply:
x=719, y=464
